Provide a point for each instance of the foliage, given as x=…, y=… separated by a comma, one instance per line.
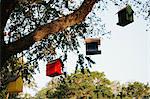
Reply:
x=78, y=85
x=41, y=94
x=92, y=85
x=3, y=94
x=136, y=89
x=25, y=96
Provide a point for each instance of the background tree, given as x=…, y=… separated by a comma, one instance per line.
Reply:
x=34, y=29
x=138, y=90
x=25, y=96
x=42, y=94
x=131, y=90
x=92, y=85
x=79, y=86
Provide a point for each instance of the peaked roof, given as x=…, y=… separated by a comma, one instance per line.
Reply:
x=128, y=8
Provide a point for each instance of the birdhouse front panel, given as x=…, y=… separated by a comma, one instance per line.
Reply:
x=15, y=86
x=92, y=46
x=125, y=16
x=54, y=68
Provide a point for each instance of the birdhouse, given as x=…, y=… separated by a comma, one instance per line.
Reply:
x=92, y=46
x=15, y=86
x=54, y=68
x=125, y=16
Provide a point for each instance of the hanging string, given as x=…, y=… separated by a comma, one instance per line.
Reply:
x=65, y=71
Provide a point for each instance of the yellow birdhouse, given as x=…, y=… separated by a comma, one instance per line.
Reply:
x=15, y=86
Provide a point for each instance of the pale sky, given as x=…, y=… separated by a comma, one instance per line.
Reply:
x=125, y=57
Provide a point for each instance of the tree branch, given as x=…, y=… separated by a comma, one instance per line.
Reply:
x=66, y=21
x=21, y=44
x=51, y=28
x=7, y=6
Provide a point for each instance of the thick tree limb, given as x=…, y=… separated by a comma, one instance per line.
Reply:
x=7, y=6
x=52, y=27
x=66, y=21
x=21, y=44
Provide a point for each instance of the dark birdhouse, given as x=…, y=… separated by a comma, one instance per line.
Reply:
x=125, y=16
x=92, y=46
x=54, y=68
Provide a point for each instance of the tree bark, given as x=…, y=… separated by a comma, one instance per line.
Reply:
x=7, y=6
x=50, y=28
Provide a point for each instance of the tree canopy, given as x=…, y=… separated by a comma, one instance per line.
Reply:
x=93, y=85
x=35, y=29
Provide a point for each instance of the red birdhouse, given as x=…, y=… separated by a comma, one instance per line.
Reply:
x=54, y=68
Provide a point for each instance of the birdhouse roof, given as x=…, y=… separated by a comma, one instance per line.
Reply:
x=13, y=78
x=53, y=61
x=91, y=40
x=128, y=8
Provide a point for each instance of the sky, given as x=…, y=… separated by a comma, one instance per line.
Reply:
x=125, y=56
